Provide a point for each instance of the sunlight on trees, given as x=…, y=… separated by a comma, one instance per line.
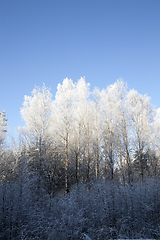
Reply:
x=36, y=113
x=87, y=165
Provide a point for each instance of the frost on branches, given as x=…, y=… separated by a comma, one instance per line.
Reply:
x=101, y=146
x=109, y=133
x=3, y=127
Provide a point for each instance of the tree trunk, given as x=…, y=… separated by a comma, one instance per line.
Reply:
x=66, y=165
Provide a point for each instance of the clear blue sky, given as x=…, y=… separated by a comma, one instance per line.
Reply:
x=49, y=40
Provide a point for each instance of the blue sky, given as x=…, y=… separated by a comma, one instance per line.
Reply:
x=49, y=40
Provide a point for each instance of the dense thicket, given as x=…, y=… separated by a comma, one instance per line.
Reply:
x=104, y=142
x=101, y=210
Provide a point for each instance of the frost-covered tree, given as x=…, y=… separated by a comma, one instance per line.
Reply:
x=108, y=125
x=3, y=127
x=141, y=114
x=115, y=127
x=155, y=142
x=62, y=119
x=89, y=166
x=123, y=124
x=82, y=93
x=97, y=136
x=156, y=130
x=36, y=112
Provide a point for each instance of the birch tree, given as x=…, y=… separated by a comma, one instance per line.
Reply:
x=141, y=114
x=62, y=118
x=3, y=127
x=155, y=142
x=96, y=129
x=88, y=138
x=109, y=114
x=118, y=91
x=36, y=113
x=82, y=93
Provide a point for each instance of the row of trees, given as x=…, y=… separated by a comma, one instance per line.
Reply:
x=81, y=135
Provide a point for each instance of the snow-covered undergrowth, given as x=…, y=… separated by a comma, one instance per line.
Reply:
x=96, y=210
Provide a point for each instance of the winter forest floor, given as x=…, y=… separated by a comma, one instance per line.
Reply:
x=97, y=210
